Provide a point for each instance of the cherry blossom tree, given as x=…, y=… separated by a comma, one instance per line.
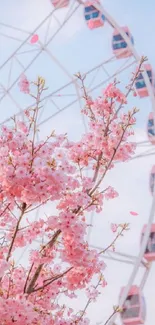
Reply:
x=52, y=171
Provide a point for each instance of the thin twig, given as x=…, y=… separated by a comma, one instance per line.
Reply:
x=87, y=304
x=59, y=276
x=27, y=279
x=114, y=312
x=112, y=158
x=85, y=93
x=113, y=242
x=7, y=207
x=16, y=230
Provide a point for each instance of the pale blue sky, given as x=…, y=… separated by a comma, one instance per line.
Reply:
x=76, y=46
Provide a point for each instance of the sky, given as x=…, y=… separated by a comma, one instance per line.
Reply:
x=79, y=49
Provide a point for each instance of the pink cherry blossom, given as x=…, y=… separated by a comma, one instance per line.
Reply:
x=92, y=293
x=114, y=227
x=24, y=85
x=4, y=266
x=49, y=175
x=104, y=283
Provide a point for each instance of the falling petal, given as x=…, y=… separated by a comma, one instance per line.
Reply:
x=133, y=213
x=34, y=39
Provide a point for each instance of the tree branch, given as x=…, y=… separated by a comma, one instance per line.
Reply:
x=116, y=310
x=87, y=304
x=16, y=230
x=143, y=59
x=113, y=242
x=30, y=288
x=111, y=159
x=52, y=280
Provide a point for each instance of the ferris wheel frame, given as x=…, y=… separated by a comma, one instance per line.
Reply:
x=115, y=25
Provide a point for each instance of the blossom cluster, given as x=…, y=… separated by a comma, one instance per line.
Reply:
x=33, y=174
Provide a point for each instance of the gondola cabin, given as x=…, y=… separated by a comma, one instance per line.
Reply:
x=60, y=3
x=93, y=17
x=151, y=128
x=119, y=45
x=150, y=248
x=140, y=84
x=152, y=180
x=134, y=308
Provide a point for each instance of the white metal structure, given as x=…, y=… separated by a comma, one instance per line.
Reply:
x=152, y=212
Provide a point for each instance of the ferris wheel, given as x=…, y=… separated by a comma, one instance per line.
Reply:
x=42, y=45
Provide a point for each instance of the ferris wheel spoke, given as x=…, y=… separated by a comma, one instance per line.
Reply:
x=19, y=62
x=10, y=72
x=15, y=28
x=45, y=49
x=11, y=37
x=145, y=276
x=94, y=77
x=27, y=39
x=12, y=99
x=89, y=91
x=61, y=88
x=120, y=257
x=111, y=77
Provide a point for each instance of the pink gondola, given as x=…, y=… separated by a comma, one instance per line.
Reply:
x=151, y=128
x=152, y=180
x=140, y=82
x=93, y=17
x=150, y=248
x=119, y=45
x=60, y=3
x=134, y=308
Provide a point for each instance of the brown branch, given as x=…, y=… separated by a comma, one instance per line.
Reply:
x=101, y=154
x=27, y=279
x=85, y=93
x=50, y=244
x=52, y=241
x=97, y=167
x=16, y=230
x=48, y=137
x=87, y=304
x=112, y=158
x=40, y=87
x=37, y=206
x=34, y=279
x=120, y=106
x=113, y=242
x=59, y=276
x=7, y=207
x=116, y=310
